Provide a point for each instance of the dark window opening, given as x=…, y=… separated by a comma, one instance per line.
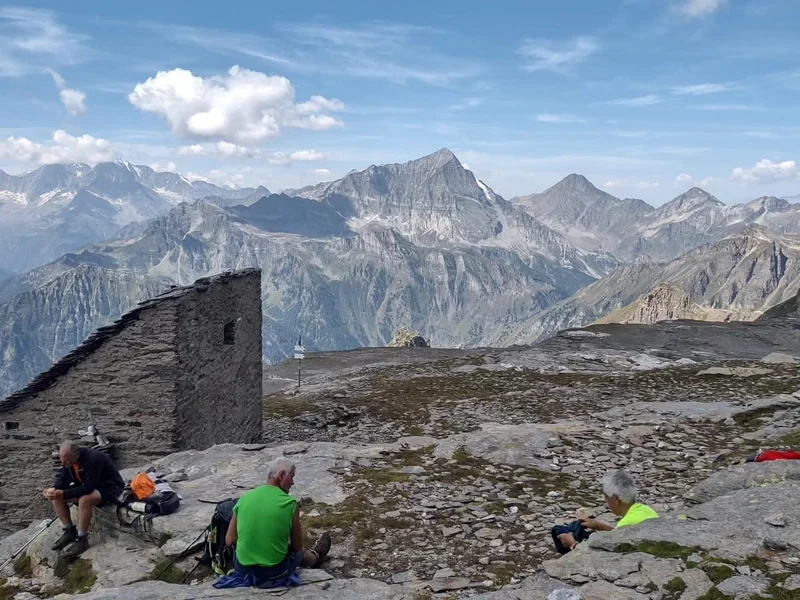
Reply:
x=10, y=426
x=229, y=333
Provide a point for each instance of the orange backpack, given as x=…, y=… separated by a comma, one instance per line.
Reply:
x=142, y=486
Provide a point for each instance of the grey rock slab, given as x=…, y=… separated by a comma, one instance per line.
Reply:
x=777, y=358
x=536, y=587
x=585, y=562
x=741, y=587
x=697, y=584
x=517, y=445
x=338, y=589
x=748, y=475
x=736, y=371
x=793, y=583
x=603, y=590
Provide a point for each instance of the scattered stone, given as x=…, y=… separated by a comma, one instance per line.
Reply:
x=776, y=358
x=793, y=583
x=740, y=587
x=406, y=577
x=489, y=534
x=775, y=519
x=449, y=584
x=735, y=371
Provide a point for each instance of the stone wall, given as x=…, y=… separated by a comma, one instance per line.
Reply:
x=126, y=386
x=182, y=370
x=219, y=353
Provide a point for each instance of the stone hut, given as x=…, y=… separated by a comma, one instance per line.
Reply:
x=182, y=370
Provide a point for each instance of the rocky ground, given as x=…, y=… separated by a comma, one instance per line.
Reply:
x=440, y=473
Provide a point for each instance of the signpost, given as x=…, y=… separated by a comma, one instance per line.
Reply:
x=299, y=354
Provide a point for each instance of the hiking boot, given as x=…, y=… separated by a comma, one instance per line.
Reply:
x=322, y=548
x=70, y=535
x=77, y=548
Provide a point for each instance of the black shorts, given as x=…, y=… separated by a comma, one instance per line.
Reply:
x=110, y=496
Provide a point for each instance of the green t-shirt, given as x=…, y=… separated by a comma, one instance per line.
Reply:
x=264, y=524
x=636, y=514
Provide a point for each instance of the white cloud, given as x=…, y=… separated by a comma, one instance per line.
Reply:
x=701, y=89
x=560, y=118
x=73, y=100
x=193, y=150
x=32, y=40
x=546, y=55
x=322, y=172
x=306, y=156
x=223, y=149
x=684, y=179
x=647, y=100
x=467, y=103
x=698, y=8
x=727, y=107
x=766, y=171
x=241, y=107
x=64, y=149
x=167, y=167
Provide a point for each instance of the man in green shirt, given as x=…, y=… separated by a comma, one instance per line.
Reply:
x=266, y=529
x=620, y=492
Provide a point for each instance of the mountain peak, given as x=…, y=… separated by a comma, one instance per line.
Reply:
x=691, y=199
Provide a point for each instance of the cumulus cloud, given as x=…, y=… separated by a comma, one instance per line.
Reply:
x=766, y=171
x=560, y=118
x=698, y=8
x=306, y=156
x=241, y=107
x=64, y=149
x=647, y=100
x=684, y=179
x=73, y=100
x=546, y=55
x=281, y=158
x=167, y=167
x=322, y=172
x=223, y=149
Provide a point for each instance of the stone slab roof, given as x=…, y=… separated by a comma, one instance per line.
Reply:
x=100, y=336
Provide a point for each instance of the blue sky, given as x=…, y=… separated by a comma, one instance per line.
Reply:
x=644, y=97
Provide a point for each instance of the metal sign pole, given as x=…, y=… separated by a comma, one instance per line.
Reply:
x=299, y=354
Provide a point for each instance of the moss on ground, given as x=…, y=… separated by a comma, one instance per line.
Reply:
x=658, y=549
x=718, y=572
x=78, y=576
x=23, y=566
x=675, y=587
x=168, y=572
x=7, y=592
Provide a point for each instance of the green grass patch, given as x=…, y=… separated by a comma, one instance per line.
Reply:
x=167, y=571
x=675, y=586
x=78, y=576
x=7, y=592
x=718, y=572
x=658, y=549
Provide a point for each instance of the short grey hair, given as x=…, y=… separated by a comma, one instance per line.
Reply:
x=70, y=446
x=280, y=464
x=620, y=485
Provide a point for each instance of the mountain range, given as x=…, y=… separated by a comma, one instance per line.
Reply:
x=422, y=244
x=59, y=208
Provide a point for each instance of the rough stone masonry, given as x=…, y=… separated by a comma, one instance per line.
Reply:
x=182, y=370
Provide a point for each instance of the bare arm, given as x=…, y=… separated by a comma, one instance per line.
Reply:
x=597, y=524
x=232, y=535
x=296, y=541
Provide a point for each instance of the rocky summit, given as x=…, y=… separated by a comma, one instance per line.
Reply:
x=439, y=474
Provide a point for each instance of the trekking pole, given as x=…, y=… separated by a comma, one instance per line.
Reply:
x=28, y=543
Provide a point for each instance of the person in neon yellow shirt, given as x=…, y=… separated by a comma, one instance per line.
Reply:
x=620, y=492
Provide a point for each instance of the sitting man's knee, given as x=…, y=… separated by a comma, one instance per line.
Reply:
x=88, y=500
